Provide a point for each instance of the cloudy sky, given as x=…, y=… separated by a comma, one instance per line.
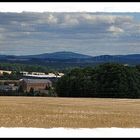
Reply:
x=92, y=33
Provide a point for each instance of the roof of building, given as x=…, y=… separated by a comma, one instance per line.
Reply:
x=43, y=75
x=36, y=80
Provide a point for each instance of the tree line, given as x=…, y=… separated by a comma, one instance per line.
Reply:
x=109, y=80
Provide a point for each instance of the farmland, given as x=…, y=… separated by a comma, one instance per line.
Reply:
x=48, y=112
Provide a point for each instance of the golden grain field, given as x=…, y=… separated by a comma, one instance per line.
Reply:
x=46, y=112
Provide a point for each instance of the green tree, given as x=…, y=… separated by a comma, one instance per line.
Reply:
x=109, y=80
x=77, y=83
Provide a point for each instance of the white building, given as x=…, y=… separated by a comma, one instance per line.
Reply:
x=43, y=75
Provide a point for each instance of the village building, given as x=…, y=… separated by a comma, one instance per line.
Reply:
x=35, y=84
x=50, y=76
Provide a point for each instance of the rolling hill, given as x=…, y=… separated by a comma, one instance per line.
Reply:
x=67, y=59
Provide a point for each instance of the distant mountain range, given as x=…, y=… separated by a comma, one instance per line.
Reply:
x=58, y=55
x=72, y=58
x=55, y=55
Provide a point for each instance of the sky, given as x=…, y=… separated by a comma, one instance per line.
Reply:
x=106, y=30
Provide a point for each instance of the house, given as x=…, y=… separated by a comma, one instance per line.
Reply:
x=35, y=84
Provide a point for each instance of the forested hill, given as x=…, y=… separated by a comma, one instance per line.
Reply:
x=60, y=60
x=54, y=56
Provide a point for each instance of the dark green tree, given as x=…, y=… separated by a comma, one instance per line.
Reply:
x=109, y=80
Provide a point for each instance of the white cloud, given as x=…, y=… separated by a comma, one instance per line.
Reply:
x=89, y=18
x=69, y=19
x=84, y=32
x=46, y=18
x=115, y=30
x=52, y=19
x=92, y=18
x=27, y=21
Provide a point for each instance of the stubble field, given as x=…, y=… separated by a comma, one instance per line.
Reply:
x=50, y=112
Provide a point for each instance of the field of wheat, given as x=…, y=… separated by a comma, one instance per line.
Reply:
x=50, y=112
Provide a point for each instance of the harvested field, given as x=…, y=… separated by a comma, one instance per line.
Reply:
x=48, y=112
